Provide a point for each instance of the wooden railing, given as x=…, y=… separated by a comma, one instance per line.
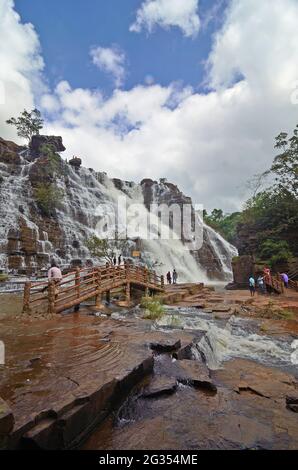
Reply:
x=293, y=284
x=83, y=284
x=275, y=283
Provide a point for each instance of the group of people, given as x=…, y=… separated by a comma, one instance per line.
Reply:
x=263, y=280
x=172, y=278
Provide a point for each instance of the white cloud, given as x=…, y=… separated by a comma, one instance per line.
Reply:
x=259, y=42
x=20, y=65
x=167, y=13
x=111, y=60
x=209, y=144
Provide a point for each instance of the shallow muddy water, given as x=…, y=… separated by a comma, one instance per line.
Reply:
x=10, y=304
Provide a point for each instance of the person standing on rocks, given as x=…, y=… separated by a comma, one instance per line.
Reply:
x=252, y=286
x=169, y=277
x=285, y=279
x=175, y=276
x=261, y=285
x=119, y=260
x=267, y=275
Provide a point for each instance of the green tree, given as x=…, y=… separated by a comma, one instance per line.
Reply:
x=275, y=251
x=285, y=165
x=225, y=224
x=106, y=248
x=27, y=124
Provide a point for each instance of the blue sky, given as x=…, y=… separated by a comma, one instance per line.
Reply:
x=67, y=29
x=84, y=66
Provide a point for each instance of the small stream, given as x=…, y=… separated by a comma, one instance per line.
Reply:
x=195, y=419
x=226, y=339
x=233, y=338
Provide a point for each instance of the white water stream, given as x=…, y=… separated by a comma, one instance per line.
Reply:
x=85, y=193
x=223, y=340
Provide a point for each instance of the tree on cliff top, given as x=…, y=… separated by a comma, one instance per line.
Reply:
x=27, y=124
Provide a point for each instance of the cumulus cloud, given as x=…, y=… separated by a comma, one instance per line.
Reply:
x=110, y=60
x=167, y=13
x=21, y=65
x=207, y=143
x=257, y=42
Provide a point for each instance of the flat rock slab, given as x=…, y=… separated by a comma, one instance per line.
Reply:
x=63, y=374
x=6, y=422
x=166, y=345
x=222, y=316
x=244, y=376
x=220, y=308
x=194, y=373
x=160, y=386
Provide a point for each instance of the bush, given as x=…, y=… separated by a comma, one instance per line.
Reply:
x=154, y=310
x=275, y=251
x=48, y=198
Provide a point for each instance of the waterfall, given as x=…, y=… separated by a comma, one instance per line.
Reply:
x=85, y=193
x=224, y=251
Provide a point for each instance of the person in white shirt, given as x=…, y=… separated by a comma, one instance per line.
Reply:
x=54, y=273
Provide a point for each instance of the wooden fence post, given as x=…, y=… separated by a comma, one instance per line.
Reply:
x=78, y=287
x=26, y=299
x=127, y=271
x=127, y=292
x=98, y=283
x=51, y=297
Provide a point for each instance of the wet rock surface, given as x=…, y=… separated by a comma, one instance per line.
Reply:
x=62, y=376
x=165, y=345
x=160, y=386
x=65, y=377
x=194, y=418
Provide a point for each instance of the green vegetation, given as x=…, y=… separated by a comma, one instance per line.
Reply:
x=275, y=251
x=27, y=124
x=106, y=248
x=154, y=310
x=267, y=226
x=48, y=198
x=225, y=224
x=54, y=160
x=3, y=277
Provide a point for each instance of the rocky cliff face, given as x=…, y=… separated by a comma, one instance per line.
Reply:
x=49, y=208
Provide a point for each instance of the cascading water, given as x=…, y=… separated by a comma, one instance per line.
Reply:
x=224, y=251
x=85, y=193
x=223, y=340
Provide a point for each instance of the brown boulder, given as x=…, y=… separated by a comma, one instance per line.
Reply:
x=9, y=152
x=194, y=373
x=38, y=141
x=160, y=386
